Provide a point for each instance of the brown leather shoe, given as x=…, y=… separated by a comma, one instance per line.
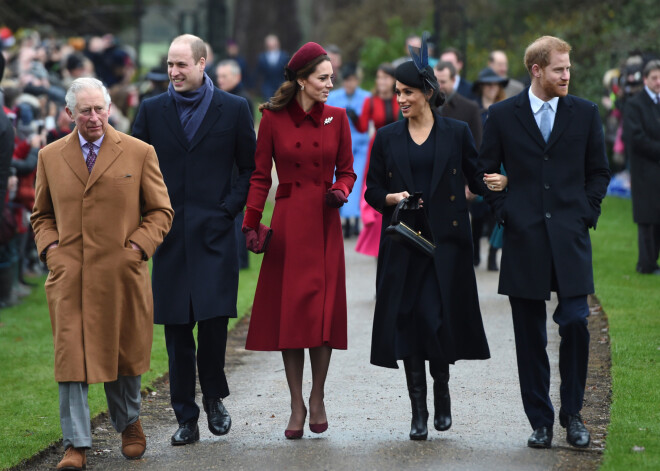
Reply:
x=74, y=459
x=133, y=441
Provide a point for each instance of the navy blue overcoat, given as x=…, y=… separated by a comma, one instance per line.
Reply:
x=553, y=196
x=197, y=264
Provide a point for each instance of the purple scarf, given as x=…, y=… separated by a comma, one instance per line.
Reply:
x=192, y=106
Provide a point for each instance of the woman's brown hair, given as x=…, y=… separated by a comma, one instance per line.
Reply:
x=289, y=88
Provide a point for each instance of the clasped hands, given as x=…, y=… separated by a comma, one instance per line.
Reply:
x=256, y=240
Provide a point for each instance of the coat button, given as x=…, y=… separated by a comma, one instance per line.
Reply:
x=546, y=157
x=548, y=215
x=316, y=164
x=390, y=174
x=297, y=144
x=452, y=197
x=546, y=186
x=453, y=171
x=298, y=164
x=316, y=144
x=297, y=183
x=454, y=223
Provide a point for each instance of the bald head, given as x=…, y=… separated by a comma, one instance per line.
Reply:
x=197, y=46
x=498, y=61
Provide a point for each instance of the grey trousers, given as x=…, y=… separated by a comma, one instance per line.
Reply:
x=124, y=399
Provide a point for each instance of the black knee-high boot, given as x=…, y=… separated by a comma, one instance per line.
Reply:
x=441, y=399
x=416, y=379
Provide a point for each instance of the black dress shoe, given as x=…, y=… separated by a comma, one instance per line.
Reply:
x=218, y=417
x=576, y=433
x=186, y=434
x=541, y=438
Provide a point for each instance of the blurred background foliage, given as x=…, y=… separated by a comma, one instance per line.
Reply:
x=602, y=32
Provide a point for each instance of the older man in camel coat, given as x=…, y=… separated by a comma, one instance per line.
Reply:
x=101, y=210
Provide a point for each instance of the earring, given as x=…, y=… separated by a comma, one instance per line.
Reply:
x=302, y=87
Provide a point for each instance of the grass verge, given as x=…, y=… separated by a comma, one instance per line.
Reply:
x=29, y=410
x=632, y=304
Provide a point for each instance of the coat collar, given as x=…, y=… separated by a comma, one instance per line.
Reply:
x=298, y=115
x=174, y=123
x=563, y=118
x=401, y=157
x=212, y=115
x=108, y=153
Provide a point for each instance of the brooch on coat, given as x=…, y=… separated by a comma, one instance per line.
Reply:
x=327, y=120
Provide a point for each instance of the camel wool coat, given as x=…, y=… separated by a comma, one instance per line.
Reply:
x=98, y=288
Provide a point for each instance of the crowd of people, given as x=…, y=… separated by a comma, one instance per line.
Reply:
x=424, y=146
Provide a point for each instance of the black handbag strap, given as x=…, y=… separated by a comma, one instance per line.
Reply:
x=426, y=227
x=395, y=215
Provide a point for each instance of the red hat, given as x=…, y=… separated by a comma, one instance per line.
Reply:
x=305, y=55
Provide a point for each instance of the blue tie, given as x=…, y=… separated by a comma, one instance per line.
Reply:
x=545, y=121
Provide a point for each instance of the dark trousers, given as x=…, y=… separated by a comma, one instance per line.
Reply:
x=210, y=359
x=529, y=324
x=648, y=240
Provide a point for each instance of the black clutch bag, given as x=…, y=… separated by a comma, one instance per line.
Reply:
x=419, y=237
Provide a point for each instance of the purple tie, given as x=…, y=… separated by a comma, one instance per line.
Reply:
x=91, y=156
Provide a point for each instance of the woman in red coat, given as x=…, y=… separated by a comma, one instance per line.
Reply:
x=300, y=301
x=381, y=109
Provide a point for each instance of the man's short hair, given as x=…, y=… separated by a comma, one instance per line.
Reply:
x=491, y=55
x=651, y=66
x=453, y=50
x=197, y=46
x=442, y=65
x=84, y=83
x=333, y=49
x=539, y=51
x=233, y=66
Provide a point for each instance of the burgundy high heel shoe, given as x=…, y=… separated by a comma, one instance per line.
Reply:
x=319, y=428
x=295, y=434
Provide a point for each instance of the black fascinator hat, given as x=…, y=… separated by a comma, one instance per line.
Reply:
x=419, y=74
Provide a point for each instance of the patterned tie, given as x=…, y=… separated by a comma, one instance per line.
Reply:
x=545, y=121
x=91, y=156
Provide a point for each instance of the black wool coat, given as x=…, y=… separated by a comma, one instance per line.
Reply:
x=553, y=197
x=197, y=264
x=462, y=334
x=641, y=133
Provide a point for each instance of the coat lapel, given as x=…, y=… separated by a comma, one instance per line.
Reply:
x=212, y=115
x=73, y=156
x=108, y=153
x=524, y=114
x=399, y=147
x=173, y=122
x=562, y=119
x=441, y=152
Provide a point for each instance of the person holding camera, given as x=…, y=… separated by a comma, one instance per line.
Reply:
x=427, y=307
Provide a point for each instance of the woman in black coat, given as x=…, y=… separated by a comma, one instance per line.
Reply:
x=426, y=307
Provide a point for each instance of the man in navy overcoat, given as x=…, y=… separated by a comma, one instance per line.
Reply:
x=199, y=133
x=551, y=146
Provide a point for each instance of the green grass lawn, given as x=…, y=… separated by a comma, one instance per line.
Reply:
x=29, y=411
x=632, y=304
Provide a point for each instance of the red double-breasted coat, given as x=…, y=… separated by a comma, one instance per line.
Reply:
x=300, y=301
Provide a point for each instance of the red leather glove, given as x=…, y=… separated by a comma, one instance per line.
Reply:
x=335, y=198
x=257, y=240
